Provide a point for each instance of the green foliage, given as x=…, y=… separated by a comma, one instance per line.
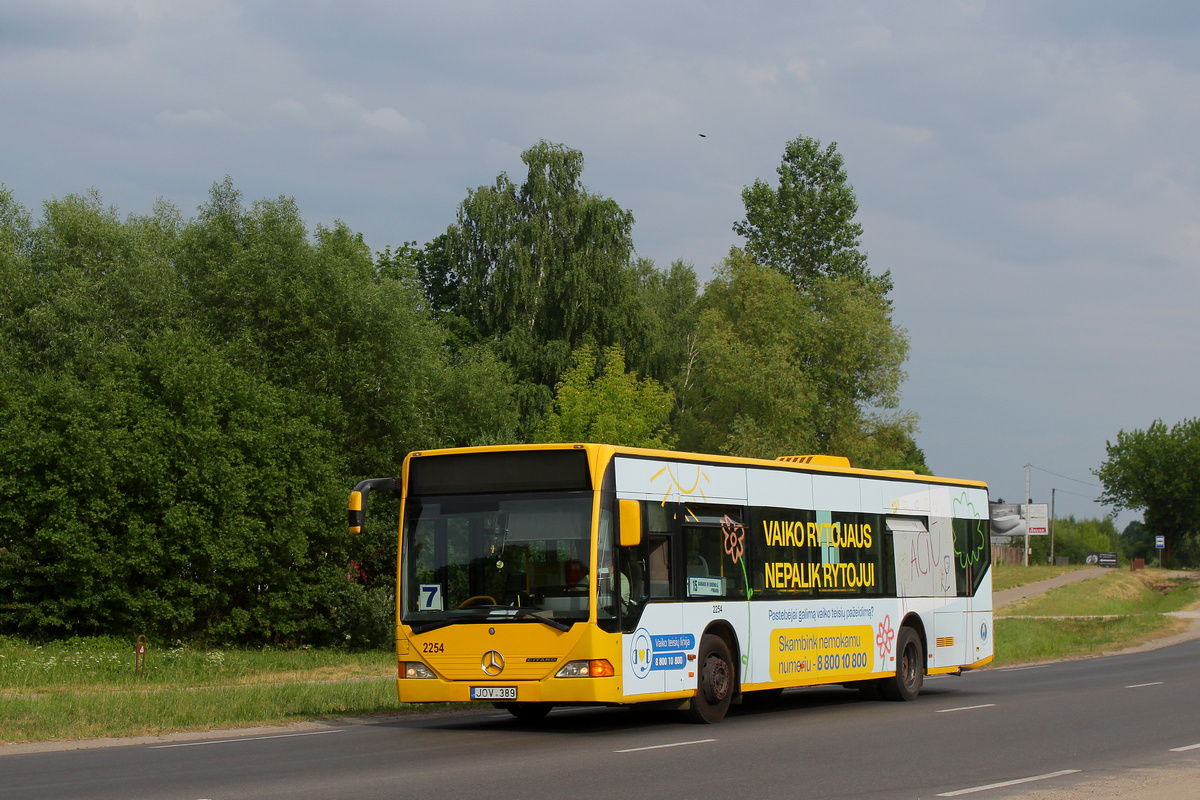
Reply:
x=1138, y=542
x=539, y=270
x=805, y=228
x=183, y=405
x=754, y=394
x=1158, y=471
x=185, y=401
x=613, y=407
x=785, y=371
x=828, y=355
x=1074, y=539
x=661, y=341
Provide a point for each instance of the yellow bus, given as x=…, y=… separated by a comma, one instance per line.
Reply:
x=533, y=576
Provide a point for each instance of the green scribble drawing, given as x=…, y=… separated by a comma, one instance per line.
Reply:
x=966, y=552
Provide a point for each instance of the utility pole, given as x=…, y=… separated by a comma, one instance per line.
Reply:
x=1052, y=491
x=1027, y=501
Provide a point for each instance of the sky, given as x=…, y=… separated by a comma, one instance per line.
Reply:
x=1026, y=171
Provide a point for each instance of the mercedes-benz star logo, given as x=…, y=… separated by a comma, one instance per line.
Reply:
x=493, y=663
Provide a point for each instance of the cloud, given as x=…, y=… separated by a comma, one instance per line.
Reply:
x=288, y=108
x=1026, y=170
x=195, y=118
x=390, y=120
x=55, y=24
x=347, y=117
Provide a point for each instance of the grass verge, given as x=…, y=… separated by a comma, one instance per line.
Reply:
x=1025, y=641
x=1118, y=592
x=1119, y=610
x=63, y=715
x=88, y=688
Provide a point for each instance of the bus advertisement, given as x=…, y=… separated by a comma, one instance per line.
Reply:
x=534, y=576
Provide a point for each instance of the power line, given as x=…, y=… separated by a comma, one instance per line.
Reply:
x=1077, y=494
x=1066, y=477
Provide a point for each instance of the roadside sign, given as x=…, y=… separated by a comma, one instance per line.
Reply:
x=1160, y=542
x=1035, y=517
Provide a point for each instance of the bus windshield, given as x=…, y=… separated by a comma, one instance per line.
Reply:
x=496, y=558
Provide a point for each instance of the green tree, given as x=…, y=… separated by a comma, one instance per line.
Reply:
x=661, y=341
x=753, y=395
x=183, y=406
x=541, y=268
x=611, y=407
x=1074, y=539
x=845, y=354
x=805, y=228
x=1138, y=542
x=1157, y=471
x=783, y=371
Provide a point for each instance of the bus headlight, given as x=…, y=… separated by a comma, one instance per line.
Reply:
x=415, y=669
x=596, y=668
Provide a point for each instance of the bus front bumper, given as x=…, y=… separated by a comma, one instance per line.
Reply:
x=551, y=690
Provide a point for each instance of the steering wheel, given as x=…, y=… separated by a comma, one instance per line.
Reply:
x=477, y=600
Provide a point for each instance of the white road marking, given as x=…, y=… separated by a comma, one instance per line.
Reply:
x=974, y=789
x=965, y=708
x=1140, y=685
x=661, y=746
x=244, y=739
x=1185, y=749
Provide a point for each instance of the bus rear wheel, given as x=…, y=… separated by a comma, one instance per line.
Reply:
x=714, y=688
x=910, y=668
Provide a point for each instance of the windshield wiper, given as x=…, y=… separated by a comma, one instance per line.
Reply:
x=425, y=627
x=553, y=623
x=433, y=626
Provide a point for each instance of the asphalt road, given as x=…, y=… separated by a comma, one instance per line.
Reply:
x=1076, y=722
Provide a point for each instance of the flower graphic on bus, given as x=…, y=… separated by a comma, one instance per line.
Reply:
x=735, y=538
x=885, y=637
x=735, y=548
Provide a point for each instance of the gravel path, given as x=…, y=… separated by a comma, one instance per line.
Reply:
x=1019, y=593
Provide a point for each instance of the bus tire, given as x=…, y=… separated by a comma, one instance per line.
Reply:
x=714, y=687
x=910, y=668
x=529, y=712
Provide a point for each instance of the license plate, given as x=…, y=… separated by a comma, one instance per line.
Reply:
x=493, y=693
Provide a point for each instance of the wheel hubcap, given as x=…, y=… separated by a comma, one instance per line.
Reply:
x=717, y=685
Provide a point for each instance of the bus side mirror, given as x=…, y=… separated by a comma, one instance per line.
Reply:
x=631, y=522
x=358, y=500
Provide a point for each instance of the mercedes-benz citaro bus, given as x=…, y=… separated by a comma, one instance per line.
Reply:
x=533, y=576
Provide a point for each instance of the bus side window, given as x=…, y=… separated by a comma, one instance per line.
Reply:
x=658, y=565
x=647, y=570
x=714, y=544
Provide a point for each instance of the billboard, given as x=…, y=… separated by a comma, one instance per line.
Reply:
x=1013, y=519
x=1037, y=517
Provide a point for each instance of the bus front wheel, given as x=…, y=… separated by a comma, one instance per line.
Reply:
x=910, y=668
x=714, y=688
